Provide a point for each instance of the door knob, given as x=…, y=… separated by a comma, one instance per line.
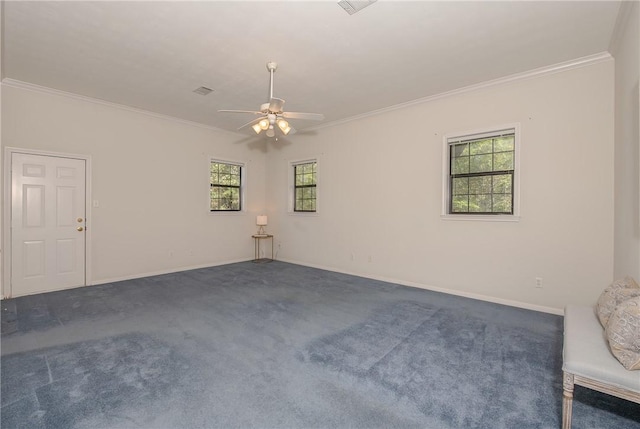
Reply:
x=79, y=219
x=80, y=228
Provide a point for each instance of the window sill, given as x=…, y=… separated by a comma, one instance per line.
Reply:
x=304, y=214
x=227, y=213
x=482, y=218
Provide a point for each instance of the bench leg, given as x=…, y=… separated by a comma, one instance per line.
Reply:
x=567, y=400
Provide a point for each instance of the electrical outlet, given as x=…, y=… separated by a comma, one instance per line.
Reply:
x=539, y=282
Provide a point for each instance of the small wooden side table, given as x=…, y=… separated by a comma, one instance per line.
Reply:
x=256, y=256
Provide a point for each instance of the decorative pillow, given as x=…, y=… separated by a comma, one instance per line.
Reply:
x=614, y=294
x=623, y=332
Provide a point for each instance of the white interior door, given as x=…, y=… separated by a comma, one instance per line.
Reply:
x=48, y=237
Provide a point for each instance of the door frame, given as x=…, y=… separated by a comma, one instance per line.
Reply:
x=7, y=291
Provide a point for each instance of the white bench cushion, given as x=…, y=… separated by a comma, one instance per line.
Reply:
x=586, y=350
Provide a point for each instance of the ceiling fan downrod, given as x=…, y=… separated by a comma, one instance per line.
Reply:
x=271, y=66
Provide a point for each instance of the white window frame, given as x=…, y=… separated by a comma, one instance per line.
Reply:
x=446, y=165
x=243, y=181
x=292, y=188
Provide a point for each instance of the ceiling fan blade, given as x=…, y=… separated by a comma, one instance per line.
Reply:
x=242, y=111
x=254, y=121
x=275, y=105
x=302, y=115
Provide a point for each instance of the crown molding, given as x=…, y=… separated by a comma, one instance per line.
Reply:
x=542, y=71
x=13, y=83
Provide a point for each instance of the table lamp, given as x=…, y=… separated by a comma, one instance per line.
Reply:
x=261, y=221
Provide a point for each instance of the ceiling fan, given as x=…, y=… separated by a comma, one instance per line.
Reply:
x=271, y=113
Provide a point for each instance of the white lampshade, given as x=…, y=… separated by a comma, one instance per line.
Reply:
x=284, y=126
x=261, y=220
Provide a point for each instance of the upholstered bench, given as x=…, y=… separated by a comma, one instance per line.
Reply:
x=588, y=362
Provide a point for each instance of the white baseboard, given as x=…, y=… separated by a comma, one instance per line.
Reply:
x=487, y=298
x=168, y=271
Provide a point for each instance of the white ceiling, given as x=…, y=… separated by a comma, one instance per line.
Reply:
x=152, y=54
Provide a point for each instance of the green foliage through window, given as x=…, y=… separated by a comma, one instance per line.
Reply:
x=304, y=198
x=481, y=174
x=226, y=186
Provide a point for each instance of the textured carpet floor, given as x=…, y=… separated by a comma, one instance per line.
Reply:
x=283, y=346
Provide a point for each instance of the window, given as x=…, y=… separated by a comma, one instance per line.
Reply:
x=226, y=186
x=482, y=173
x=304, y=189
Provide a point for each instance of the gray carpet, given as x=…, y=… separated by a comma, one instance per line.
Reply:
x=283, y=346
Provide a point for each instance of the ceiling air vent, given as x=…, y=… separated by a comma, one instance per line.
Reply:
x=203, y=90
x=353, y=6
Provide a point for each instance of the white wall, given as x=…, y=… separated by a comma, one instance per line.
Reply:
x=380, y=186
x=150, y=176
x=380, y=190
x=627, y=152
x=1, y=199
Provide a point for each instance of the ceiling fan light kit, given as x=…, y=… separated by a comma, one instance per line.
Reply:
x=284, y=126
x=272, y=113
